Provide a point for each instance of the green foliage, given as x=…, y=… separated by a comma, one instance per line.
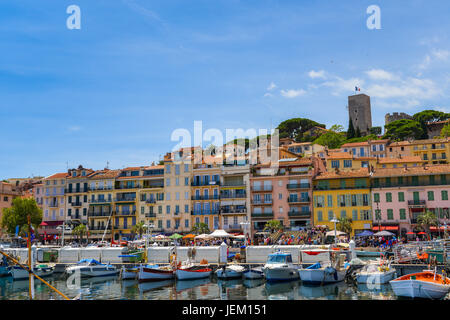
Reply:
x=331, y=139
x=403, y=129
x=363, y=139
x=200, y=228
x=344, y=225
x=273, y=225
x=138, y=228
x=358, y=133
x=429, y=116
x=294, y=128
x=426, y=220
x=337, y=128
x=79, y=231
x=17, y=215
x=351, y=130
x=375, y=131
x=445, y=132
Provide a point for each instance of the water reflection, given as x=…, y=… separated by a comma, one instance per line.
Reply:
x=329, y=291
x=281, y=290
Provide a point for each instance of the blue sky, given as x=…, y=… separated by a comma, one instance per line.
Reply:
x=137, y=70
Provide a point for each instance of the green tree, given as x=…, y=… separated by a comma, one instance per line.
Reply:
x=445, y=132
x=80, y=231
x=351, y=130
x=17, y=215
x=331, y=139
x=139, y=229
x=337, y=128
x=344, y=225
x=403, y=129
x=375, y=131
x=200, y=228
x=273, y=225
x=295, y=127
x=358, y=132
x=426, y=220
x=426, y=116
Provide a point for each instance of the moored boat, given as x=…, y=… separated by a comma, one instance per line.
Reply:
x=375, y=274
x=127, y=273
x=231, y=271
x=319, y=274
x=279, y=267
x=5, y=268
x=193, y=273
x=155, y=273
x=92, y=268
x=254, y=273
x=426, y=284
x=18, y=272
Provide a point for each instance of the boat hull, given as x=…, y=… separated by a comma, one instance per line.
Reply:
x=129, y=273
x=87, y=271
x=281, y=274
x=375, y=277
x=187, y=274
x=253, y=274
x=154, y=274
x=5, y=271
x=19, y=273
x=228, y=274
x=320, y=276
x=419, y=289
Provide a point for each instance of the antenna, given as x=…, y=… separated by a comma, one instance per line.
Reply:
x=67, y=165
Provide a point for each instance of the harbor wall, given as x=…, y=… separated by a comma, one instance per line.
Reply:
x=162, y=254
x=104, y=255
x=258, y=254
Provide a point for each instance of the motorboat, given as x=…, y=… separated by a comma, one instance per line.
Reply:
x=279, y=267
x=92, y=268
x=254, y=273
x=322, y=273
x=426, y=284
x=375, y=274
x=41, y=270
x=193, y=273
x=5, y=268
x=128, y=273
x=155, y=273
x=230, y=271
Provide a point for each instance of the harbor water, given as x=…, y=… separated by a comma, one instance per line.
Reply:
x=107, y=288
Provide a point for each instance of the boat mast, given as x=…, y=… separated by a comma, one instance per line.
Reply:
x=106, y=228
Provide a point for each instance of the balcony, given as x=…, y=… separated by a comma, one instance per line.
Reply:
x=125, y=213
x=53, y=204
x=75, y=217
x=234, y=184
x=81, y=190
x=150, y=214
x=153, y=186
x=100, y=188
x=99, y=214
x=203, y=183
x=125, y=199
x=76, y=204
x=264, y=215
x=300, y=214
x=100, y=201
x=292, y=186
x=233, y=211
x=150, y=201
x=232, y=226
x=125, y=187
x=203, y=212
x=233, y=196
x=261, y=202
x=417, y=203
x=99, y=228
x=213, y=197
x=299, y=200
x=262, y=189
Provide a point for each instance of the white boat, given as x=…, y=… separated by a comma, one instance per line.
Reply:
x=279, y=267
x=319, y=274
x=231, y=271
x=92, y=268
x=254, y=273
x=155, y=273
x=375, y=274
x=426, y=284
x=127, y=273
x=40, y=270
x=193, y=273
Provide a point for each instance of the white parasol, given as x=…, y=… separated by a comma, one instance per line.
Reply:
x=383, y=233
x=338, y=233
x=219, y=233
x=202, y=236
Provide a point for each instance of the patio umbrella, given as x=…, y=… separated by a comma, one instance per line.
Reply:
x=44, y=223
x=160, y=236
x=189, y=236
x=338, y=233
x=410, y=232
x=422, y=232
x=365, y=233
x=383, y=233
x=176, y=236
x=202, y=236
x=220, y=234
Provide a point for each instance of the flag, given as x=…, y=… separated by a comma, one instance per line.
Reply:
x=357, y=89
x=17, y=231
x=32, y=233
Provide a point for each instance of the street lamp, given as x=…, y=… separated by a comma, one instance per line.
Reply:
x=335, y=233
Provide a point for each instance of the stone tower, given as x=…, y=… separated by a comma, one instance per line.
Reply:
x=359, y=112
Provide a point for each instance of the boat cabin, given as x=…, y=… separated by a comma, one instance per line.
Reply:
x=279, y=257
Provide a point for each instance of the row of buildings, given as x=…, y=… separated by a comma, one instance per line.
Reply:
x=378, y=184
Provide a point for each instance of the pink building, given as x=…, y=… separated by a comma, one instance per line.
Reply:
x=400, y=195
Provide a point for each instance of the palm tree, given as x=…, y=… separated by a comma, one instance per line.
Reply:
x=80, y=231
x=199, y=228
x=426, y=220
x=344, y=225
x=138, y=228
x=273, y=225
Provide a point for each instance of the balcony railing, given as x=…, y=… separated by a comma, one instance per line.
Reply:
x=303, y=214
x=81, y=190
x=261, y=202
x=262, y=214
x=76, y=204
x=125, y=199
x=233, y=196
x=153, y=186
x=125, y=213
x=100, y=188
x=99, y=214
x=232, y=226
x=99, y=228
x=150, y=214
x=213, y=197
x=150, y=201
x=416, y=202
x=225, y=211
x=119, y=187
x=262, y=189
x=234, y=184
x=299, y=200
x=202, y=212
x=298, y=186
x=100, y=200
x=53, y=204
x=202, y=183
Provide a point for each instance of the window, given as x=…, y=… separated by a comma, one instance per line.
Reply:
x=177, y=195
x=168, y=196
x=378, y=214
x=330, y=215
x=330, y=200
x=335, y=163
x=280, y=209
x=376, y=197
x=167, y=209
x=388, y=197
x=168, y=168
x=280, y=196
x=186, y=223
x=186, y=195
x=430, y=195
x=402, y=214
x=168, y=224
x=444, y=195
x=390, y=214
x=401, y=197
x=355, y=215
x=177, y=169
x=186, y=181
x=347, y=163
x=168, y=182
x=186, y=167
x=177, y=181
x=343, y=214
x=186, y=208
x=160, y=208
x=319, y=216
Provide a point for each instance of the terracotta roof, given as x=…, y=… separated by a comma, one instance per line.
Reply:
x=378, y=141
x=299, y=144
x=131, y=168
x=154, y=167
x=359, y=173
x=441, y=140
x=400, y=160
x=105, y=174
x=355, y=144
x=412, y=171
x=58, y=176
x=339, y=155
x=399, y=143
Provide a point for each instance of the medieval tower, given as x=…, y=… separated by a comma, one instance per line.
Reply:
x=359, y=112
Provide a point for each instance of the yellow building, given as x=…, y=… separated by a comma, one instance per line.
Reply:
x=101, y=204
x=151, y=194
x=343, y=194
x=412, y=161
x=432, y=151
x=345, y=161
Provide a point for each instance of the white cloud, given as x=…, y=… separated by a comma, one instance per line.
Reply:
x=343, y=85
x=317, y=74
x=267, y=94
x=291, y=93
x=380, y=74
x=441, y=54
x=434, y=55
x=74, y=128
x=410, y=88
x=271, y=86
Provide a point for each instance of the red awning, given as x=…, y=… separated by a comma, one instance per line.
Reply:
x=44, y=223
x=376, y=228
x=410, y=232
x=435, y=228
